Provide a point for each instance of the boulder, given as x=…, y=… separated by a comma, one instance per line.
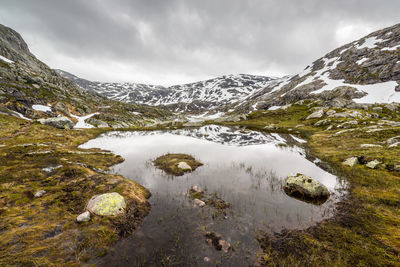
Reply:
x=59, y=122
x=184, y=166
x=199, y=202
x=351, y=161
x=373, y=164
x=84, y=217
x=109, y=204
x=317, y=114
x=40, y=193
x=301, y=185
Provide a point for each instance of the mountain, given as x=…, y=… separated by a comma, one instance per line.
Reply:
x=30, y=89
x=198, y=96
x=365, y=71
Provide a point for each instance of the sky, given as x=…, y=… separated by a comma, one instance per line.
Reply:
x=168, y=42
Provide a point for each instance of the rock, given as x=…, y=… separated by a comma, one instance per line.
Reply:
x=199, y=202
x=396, y=168
x=184, y=166
x=107, y=204
x=40, y=193
x=351, y=161
x=97, y=123
x=303, y=186
x=84, y=217
x=373, y=164
x=330, y=112
x=377, y=109
x=271, y=127
x=206, y=259
x=369, y=146
x=61, y=107
x=225, y=245
x=59, y=122
x=322, y=122
x=317, y=114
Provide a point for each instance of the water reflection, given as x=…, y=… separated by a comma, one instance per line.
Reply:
x=245, y=168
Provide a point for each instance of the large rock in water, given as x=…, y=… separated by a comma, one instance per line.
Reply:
x=59, y=122
x=109, y=204
x=301, y=185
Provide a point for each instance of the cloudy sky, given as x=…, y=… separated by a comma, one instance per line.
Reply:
x=176, y=41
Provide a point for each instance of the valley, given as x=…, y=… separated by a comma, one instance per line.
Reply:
x=65, y=140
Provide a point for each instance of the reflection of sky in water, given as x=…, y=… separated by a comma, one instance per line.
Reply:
x=244, y=168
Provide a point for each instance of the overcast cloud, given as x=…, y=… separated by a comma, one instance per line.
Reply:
x=176, y=41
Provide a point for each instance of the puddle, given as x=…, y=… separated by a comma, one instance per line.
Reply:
x=245, y=168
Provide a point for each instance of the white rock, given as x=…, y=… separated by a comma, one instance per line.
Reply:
x=317, y=114
x=40, y=193
x=373, y=164
x=369, y=145
x=199, y=202
x=184, y=166
x=84, y=217
x=351, y=161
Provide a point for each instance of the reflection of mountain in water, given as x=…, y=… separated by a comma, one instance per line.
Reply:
x=222, y=135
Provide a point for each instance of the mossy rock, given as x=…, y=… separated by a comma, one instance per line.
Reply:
x=177, y=164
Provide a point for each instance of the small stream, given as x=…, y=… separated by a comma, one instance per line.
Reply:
x=245, y=168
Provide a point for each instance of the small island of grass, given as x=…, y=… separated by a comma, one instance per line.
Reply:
x=177, y=164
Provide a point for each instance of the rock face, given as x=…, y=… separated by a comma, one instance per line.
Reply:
x=59, y=122
x=109, y=204
x=301, y=185
x=317, y=114
x=84, y=217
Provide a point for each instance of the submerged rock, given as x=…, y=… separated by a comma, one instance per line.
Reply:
x=84, y=217
x=303, y=186
x=351, y=161
x=214, y=239
x=59, y=122
x=199, y=202
x=108, y=204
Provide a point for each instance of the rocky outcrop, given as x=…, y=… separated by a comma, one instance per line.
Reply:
x=59, y=122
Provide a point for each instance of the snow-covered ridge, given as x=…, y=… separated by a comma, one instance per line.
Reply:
x=220, y=91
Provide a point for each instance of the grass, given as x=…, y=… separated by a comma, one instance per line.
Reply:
x=366, y=228
x=43, y=231
x=169, y=163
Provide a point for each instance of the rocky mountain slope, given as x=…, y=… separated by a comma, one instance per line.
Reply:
x=198, y=96
x=365, y=71
x=31, y=90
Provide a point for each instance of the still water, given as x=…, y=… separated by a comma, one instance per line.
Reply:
x=245, y=168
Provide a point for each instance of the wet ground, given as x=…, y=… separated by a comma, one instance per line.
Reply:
x=244, y=168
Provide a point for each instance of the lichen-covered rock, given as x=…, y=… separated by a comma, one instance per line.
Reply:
x=301, y=185
x=109, y=204
x=59, y=122
x=351, y=161
x=373, y=164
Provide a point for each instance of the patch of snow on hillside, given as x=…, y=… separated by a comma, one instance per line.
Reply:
x=361, y=61
x=81, y=121
x=394, y=48
x=274, y=107
x=379, y=93
x=41, y=108
x=6, y=59
x=369, y=43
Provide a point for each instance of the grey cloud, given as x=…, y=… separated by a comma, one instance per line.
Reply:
x=160, y=41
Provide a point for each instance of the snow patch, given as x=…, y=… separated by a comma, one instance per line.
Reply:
x=361, y=61
x=6, y=60
x=390, y=48
x=369, y=43
x=41, y=108
x=81, y=121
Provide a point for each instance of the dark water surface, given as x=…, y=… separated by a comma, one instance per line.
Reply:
x=245, y=168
